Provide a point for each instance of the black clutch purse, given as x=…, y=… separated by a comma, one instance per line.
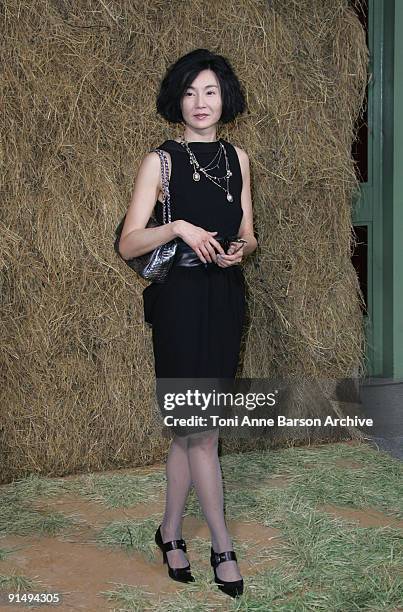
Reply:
x=155, y=265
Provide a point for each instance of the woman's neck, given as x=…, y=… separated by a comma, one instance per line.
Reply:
x=191, y=135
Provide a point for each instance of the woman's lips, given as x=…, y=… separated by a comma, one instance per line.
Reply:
x=201, y=116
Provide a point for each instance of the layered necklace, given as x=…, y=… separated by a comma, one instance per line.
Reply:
x=215, y=162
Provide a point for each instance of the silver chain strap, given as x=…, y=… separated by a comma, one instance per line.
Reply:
x=166, y=212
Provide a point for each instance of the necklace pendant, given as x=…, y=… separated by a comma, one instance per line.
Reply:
x=196, y=176
x=229, y=197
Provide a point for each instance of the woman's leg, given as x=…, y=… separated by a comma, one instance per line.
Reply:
x=206, y=476
x=178, y=484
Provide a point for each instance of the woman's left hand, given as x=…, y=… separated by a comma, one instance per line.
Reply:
x=232, y=257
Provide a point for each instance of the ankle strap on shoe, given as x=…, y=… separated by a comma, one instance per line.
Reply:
x=217, y=558
x=173, y=545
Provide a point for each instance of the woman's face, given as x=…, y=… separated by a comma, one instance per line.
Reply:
x=201, y=102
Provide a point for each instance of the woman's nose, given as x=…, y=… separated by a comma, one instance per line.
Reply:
x=200, y=102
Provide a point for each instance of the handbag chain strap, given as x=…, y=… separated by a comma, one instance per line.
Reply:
x=166, y=212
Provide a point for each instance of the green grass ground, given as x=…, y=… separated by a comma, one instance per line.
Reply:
x=290, y=511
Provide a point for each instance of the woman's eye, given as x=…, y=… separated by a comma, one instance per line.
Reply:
x=190, y=93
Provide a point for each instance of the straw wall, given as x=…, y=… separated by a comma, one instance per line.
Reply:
x=79, y=81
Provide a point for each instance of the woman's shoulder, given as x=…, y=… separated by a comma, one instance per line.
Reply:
x=241, y=152
x=242, y=157
x=170, y=145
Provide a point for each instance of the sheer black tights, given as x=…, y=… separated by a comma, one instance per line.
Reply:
x=194, y=460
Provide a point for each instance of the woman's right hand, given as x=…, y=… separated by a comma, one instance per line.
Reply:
x=200, y=240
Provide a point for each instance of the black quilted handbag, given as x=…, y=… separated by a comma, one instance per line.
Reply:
x=155, y=265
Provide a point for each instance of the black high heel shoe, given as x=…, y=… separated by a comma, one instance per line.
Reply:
x=233, y=588
x=181, y=574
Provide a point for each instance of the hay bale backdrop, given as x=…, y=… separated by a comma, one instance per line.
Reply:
x=79, y=82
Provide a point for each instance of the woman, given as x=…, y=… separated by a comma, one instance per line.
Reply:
x=197, y=313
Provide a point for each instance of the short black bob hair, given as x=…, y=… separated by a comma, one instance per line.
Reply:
x=183, y=72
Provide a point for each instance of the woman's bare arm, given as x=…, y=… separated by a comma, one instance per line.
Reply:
x=246, y=227
x=136, y=239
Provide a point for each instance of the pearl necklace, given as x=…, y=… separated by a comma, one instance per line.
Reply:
x=197, y=167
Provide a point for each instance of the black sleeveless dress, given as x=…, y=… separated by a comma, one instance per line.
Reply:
x=197, y=314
